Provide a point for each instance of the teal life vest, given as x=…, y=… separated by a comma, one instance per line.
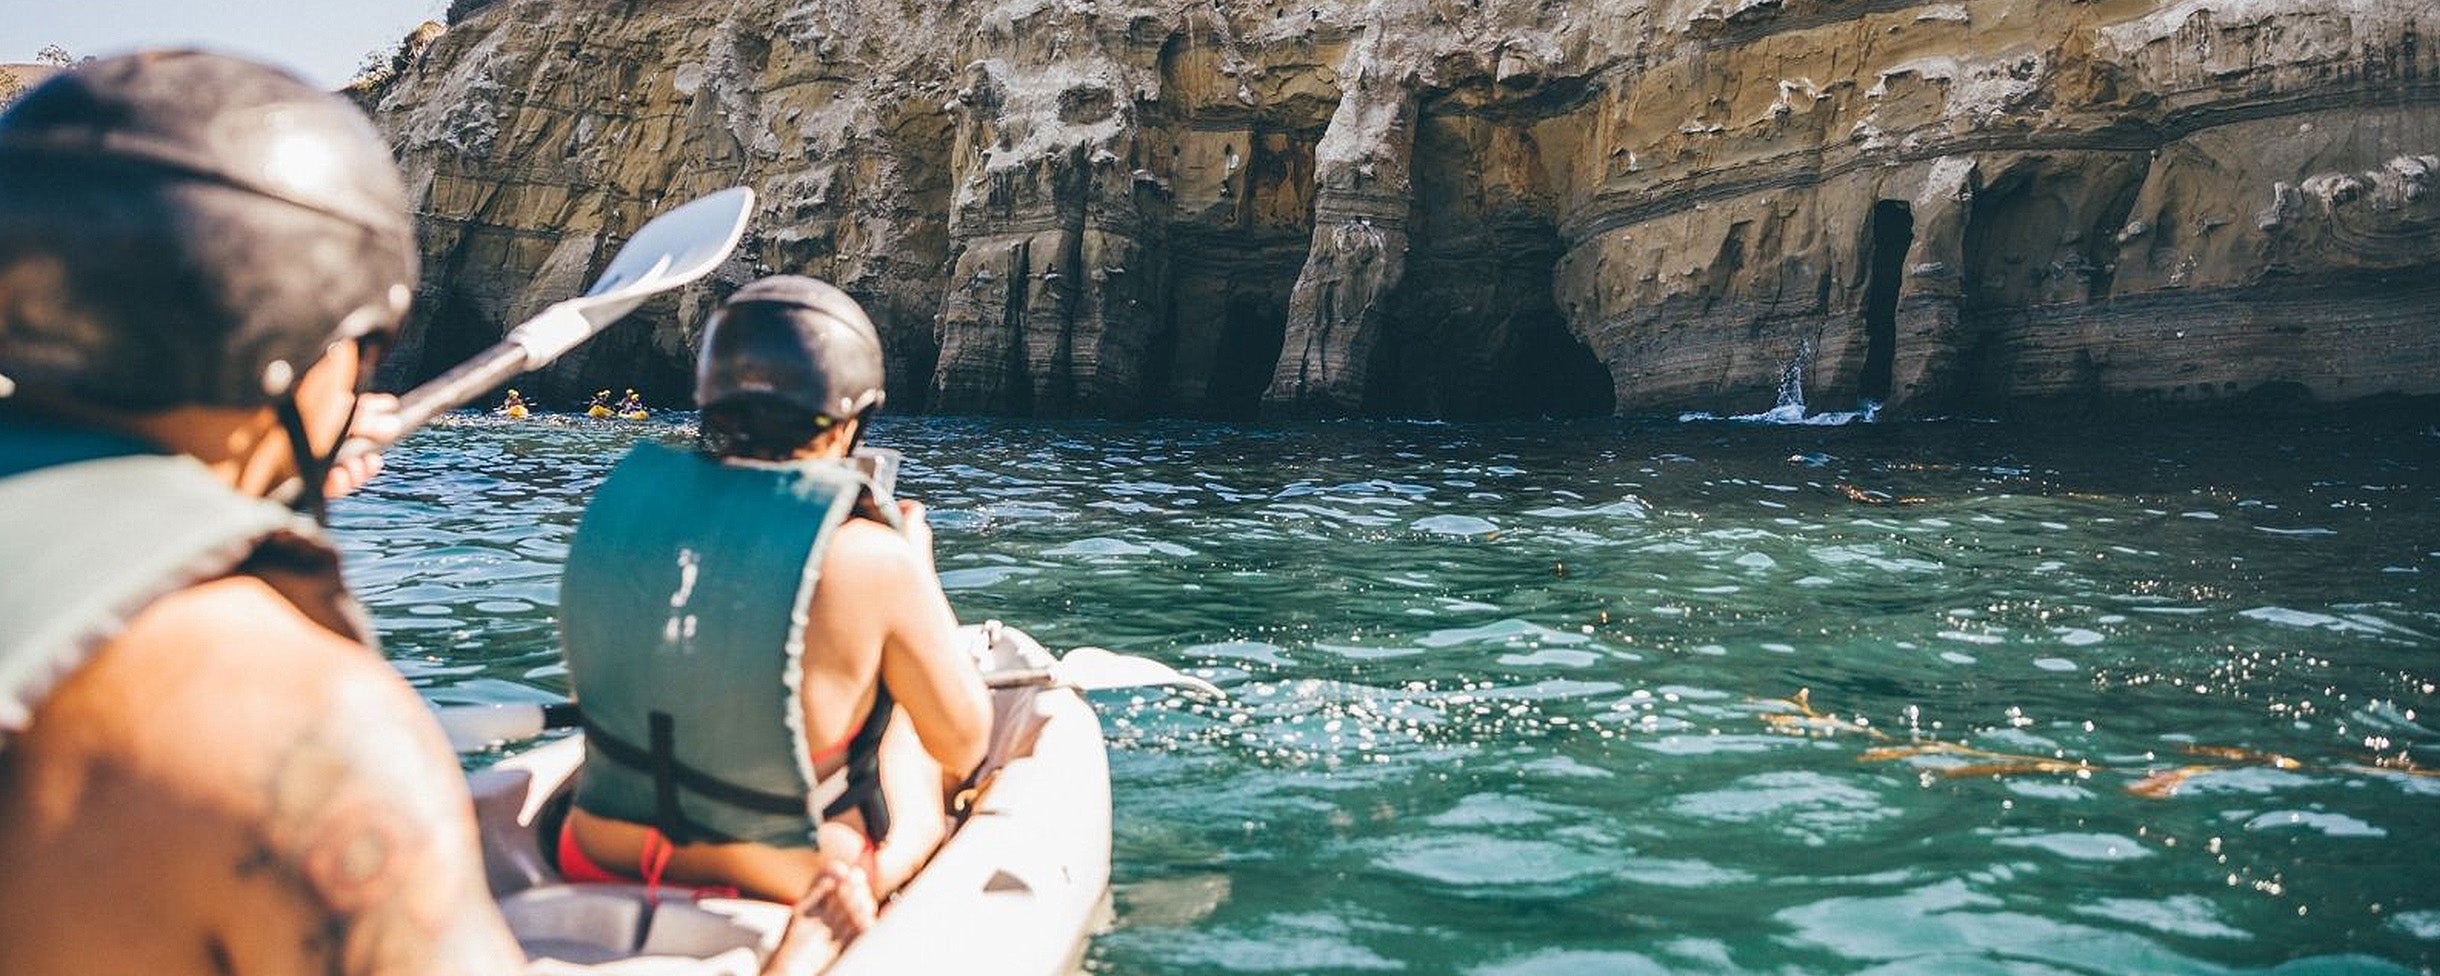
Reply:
x=94, y=527
x=682, y=615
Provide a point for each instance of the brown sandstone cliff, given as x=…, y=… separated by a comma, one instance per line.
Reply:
x=1473, y=207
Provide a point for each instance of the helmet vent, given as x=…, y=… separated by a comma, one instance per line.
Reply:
x=277, y=376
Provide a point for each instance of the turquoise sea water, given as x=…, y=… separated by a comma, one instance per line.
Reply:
x=1518, y=699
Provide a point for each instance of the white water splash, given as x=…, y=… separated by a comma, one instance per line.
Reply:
x=1790, y=410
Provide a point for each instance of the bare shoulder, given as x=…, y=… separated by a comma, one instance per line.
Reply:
x=223, y=669
x=259, y=676
x=327, y=823
x=867, y=558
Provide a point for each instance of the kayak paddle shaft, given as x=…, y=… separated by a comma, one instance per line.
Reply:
x=669, y=251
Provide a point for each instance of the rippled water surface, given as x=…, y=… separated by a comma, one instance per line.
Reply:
x=1619, y=698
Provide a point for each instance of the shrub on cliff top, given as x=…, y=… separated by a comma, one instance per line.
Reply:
x=381, y=67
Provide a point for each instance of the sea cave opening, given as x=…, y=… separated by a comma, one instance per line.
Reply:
x=1552, y=374
x=1232, y=275
x=1888, y=235
x=1251, y=336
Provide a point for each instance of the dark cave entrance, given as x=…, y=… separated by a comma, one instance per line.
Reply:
x=1456, y=367
x=626, y=357
x=910, y=382
x=455, y=332
x=1020, y=397
x=1251, y=335
x=1554, y=375
x=2042, y=235
x=450, y=329
x=1473, y=333
x=1888, y=235
x=1231, y=277
x=1473, y=330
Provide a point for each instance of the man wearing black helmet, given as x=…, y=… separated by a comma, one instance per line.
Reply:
x=204, y=767
x=744, y=745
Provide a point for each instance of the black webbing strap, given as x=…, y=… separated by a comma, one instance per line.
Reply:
x=562, y=715
x=678, y=774
x=863, y=793
x=659, y=760
x=664, y=760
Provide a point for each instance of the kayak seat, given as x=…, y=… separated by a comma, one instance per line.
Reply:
x=512, y=856
x=627, y=929
x=1015, y=725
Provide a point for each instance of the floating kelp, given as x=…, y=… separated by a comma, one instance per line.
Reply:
x=1991, y=764
x=2164, y=784
x=1803, y=720
x=2245, y=756
x=1867, y=496
x=2401, y=764
x=1797, y=716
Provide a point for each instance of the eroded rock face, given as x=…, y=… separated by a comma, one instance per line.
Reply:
x=1473, y=207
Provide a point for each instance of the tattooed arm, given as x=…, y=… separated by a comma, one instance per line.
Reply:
x=367, y=825
x=367, y=828
x=252, y=792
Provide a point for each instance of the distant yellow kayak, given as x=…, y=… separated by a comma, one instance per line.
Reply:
x=635, y=414
x=597, y=410
x=517, y=412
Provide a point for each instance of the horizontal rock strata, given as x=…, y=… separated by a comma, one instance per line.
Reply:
x=1472, y=208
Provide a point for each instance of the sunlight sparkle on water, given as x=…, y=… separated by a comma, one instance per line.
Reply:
x=1710, y=697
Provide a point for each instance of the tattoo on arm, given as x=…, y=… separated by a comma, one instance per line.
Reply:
x=375, y=843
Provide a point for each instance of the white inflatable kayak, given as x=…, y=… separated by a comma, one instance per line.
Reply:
x=1018, y=889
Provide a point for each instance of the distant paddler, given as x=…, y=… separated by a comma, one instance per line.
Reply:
x=600, y=407
x=514, y=407
x=631, y=406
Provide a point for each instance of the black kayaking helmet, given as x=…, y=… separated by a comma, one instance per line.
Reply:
x=787, y=341
x=216, y=225
x=221, y=223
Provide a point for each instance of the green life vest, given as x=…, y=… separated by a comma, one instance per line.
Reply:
x=95, y=527
x=682, y=612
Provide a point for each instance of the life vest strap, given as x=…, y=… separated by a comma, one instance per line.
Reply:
x=860, y=790
x=669, y=774
x=863, y=772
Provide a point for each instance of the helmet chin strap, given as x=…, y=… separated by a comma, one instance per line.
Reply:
x=863, y=420
x=313, y=470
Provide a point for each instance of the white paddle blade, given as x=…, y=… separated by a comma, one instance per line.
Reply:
x=671, y=250
x=1095, y=669
x=677, y=247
